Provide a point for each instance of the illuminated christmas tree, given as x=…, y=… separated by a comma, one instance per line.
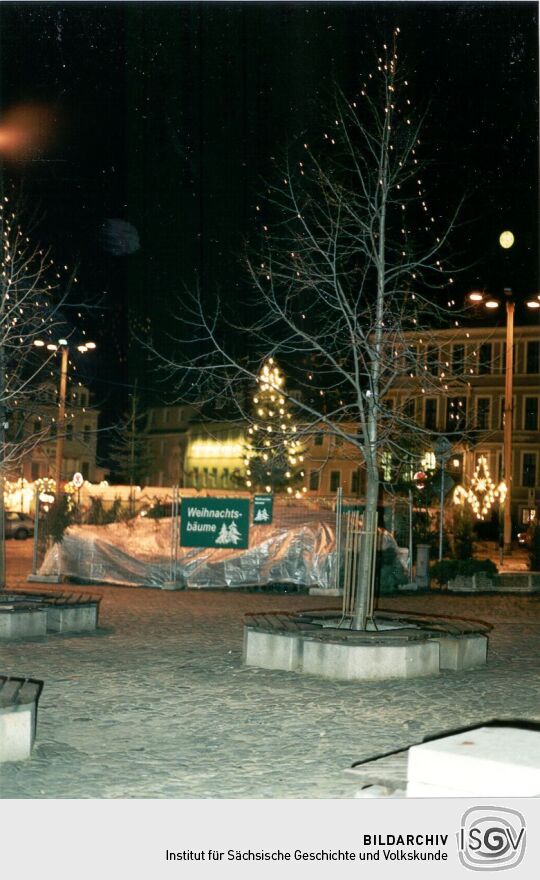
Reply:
x=274, y=456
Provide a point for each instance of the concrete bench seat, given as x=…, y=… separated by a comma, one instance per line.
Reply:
x=18, y=716
x=28, y=615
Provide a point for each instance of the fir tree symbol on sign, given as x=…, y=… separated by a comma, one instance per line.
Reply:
x=261, y=515
x=228, y=535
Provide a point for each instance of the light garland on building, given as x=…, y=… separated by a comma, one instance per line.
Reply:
x=482, y=492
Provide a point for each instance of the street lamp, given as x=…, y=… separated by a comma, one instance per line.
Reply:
x=443, y=451
x=492, y=303
x=64, y=348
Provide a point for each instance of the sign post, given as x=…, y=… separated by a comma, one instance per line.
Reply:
x=215, y=522
x=263, y=509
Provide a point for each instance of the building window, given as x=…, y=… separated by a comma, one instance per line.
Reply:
x=430, y=413
x=409, y=408
x=456, y=414
x=318, y=441
x=458, y=359
x=386, y=466
x=428, y=461
x=528, y=515
x=314, y=481
x=356, y=482
x=37, y=426
x=484, y=359
x=432, y=360
x=528, y=470
x=35, y=470
x=85, y=470
x=52, y=429
x=69, y=431
x=483, y=406
x=335, y=480
x=86, y=433
x=533, y=357
x=530, y=421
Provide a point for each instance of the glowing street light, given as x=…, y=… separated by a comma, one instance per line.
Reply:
x=506, y=239
x=64, y=347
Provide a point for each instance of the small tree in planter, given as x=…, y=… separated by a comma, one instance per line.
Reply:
x=463, y=538
x=59, y=518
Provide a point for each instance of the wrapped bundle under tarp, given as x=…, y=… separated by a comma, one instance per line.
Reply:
x=139, y=553
x=298, y=548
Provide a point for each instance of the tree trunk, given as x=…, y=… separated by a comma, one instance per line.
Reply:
x=368, y=551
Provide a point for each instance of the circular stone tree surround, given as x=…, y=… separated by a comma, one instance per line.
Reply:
x=393, y=646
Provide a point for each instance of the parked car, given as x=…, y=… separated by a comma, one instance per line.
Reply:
x=18, y=525
x=524, y=538
x=157, y=510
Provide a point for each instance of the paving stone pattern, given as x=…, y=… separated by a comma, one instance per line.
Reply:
x=158, y=704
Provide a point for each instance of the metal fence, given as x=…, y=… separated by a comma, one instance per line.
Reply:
x=148, y=517
x=156, y=520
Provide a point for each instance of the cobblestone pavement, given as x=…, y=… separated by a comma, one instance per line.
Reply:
x=158, y=704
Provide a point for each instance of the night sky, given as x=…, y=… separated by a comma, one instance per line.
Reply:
x=170, y=117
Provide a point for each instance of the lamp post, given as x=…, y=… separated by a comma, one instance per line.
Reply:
x=508, y=419
x=492, y=303
x=63, y=346
x=443, y=451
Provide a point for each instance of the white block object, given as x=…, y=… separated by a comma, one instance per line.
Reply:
x=23, y=623
x=463, y=652
x=272, y=650
x=484, y=762
x=16, y=734
x=370, y=662
x=71, y=618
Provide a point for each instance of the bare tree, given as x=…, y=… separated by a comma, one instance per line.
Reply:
x=130, y=454
x=32, y=291
x=351, y=261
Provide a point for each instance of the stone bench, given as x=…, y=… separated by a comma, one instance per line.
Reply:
x=22, y=620
x=18, y=716
x=29, y=615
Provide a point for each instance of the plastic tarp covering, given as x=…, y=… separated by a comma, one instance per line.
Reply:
x=139, y=554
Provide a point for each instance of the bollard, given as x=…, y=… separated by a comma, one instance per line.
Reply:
x=422, y=566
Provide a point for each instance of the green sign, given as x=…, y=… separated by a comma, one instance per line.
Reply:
x=262, y=509
x=215, y=522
